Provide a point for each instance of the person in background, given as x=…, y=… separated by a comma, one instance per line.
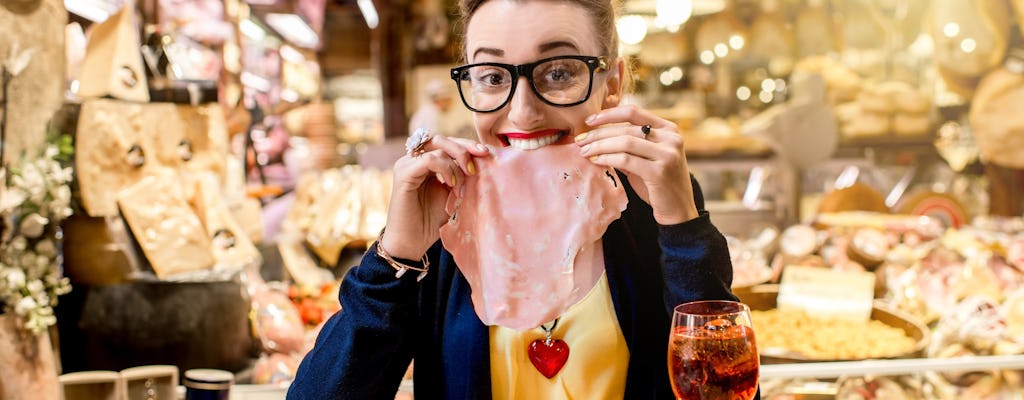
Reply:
x=437, y=114
x=532, y=58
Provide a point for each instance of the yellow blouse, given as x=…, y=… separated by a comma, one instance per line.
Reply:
x=598, y=356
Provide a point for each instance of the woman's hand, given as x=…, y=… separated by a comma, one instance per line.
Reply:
x=421, y=186
x=655, y=163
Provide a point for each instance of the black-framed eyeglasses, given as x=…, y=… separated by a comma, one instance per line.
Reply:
x=562, y=81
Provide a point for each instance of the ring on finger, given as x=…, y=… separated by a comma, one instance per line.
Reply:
x=645, y=130
x=414, y=145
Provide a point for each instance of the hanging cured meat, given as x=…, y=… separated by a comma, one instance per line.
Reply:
x=723, y=35
x=814, y=30
x=862, y=29
x=970, y=38
x=996, y=119
x=771, y=41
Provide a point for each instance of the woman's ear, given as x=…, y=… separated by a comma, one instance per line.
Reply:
x=614, y=84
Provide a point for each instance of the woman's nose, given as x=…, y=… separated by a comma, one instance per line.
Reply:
x=524, y=109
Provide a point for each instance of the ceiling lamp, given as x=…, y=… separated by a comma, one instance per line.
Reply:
x=93, y=10
x=632, y=29
x=294, y=29
x=673, y=13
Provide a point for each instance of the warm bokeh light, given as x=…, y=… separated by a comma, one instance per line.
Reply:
x=632, y=29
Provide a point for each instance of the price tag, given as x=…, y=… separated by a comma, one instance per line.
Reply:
x=827, y=293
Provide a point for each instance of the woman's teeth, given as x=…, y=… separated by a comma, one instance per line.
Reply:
x=533, y=143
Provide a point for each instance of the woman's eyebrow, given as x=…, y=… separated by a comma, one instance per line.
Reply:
x=489, y=50
x=542, y=48
x=556, y=44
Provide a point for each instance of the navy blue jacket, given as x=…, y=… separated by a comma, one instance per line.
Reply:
x=363, y=350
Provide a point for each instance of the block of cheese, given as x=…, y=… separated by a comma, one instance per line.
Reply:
x=120, y=142
x=113, y=151
x=338, y=214
x=232, y=247
x=166, y=228
x=113, y=62
x=202, y=145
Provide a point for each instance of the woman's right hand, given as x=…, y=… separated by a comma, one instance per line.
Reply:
x=421, y=186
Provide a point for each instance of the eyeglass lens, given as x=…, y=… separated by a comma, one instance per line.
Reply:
x=559, y=81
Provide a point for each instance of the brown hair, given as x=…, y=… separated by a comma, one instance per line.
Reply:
x=602, y=13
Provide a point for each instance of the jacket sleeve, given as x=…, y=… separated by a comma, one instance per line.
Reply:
x=695, y=258
x=364, y=349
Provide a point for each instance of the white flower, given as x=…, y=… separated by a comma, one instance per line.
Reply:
x=33, y=225
x=42, y=262
x=19, y=244
x=38, y=196
x=25, y=305
x=35, y=286
x=46, y=248
x=27, y=260
x=15, y=278
x=10, y=198
x=51, y=152
x=62, y=196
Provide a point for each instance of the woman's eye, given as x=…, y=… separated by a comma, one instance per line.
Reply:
x=559, y=75
x=495, y=78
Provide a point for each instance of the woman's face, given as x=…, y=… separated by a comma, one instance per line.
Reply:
x=519, y=32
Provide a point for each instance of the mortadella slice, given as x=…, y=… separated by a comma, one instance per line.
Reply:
x=526, y=232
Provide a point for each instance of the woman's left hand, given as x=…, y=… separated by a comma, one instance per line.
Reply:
x=654, y=163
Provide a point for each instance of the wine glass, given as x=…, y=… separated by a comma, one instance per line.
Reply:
x=712, y=353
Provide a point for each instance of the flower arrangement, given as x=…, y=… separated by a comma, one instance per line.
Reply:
x=35, y=197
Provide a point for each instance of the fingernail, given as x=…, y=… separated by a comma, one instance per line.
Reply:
x=590, y=119
x=455, y=180
x=481, y=147
x=585, y=149
x=471, y=168
x=580, y=137
x=593, y=159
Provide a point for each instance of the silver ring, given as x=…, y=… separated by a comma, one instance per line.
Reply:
x=646, y=130
x=418, y=139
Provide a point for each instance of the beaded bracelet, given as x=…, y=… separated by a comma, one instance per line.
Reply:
x=401, y=268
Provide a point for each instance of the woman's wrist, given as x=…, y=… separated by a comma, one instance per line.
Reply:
x=401, y=265
x=398, y=248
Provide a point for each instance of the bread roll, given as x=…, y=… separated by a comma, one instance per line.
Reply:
x=911, y=124
x=876, y=101
x=867, y=125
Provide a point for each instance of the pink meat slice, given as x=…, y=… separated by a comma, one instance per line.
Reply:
x=525, y=232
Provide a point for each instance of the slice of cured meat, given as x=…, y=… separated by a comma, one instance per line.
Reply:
x=526, y=230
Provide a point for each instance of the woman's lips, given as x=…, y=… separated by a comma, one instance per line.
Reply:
x=532, y=140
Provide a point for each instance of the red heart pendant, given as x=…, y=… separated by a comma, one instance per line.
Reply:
x=548, y=356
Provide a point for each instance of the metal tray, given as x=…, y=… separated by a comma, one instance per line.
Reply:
x=763, y=297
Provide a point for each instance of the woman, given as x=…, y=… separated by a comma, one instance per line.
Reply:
x=661, y=252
